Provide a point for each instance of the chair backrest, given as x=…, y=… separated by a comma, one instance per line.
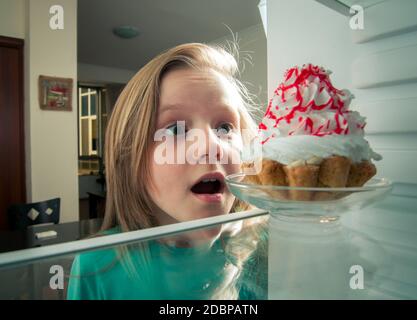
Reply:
x=21, y=216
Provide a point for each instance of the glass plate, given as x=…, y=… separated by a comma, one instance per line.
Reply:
x=324, y=202
x=311, y=254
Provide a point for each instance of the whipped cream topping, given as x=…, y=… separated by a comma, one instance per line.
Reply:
x=309, y=118
x=292, y=149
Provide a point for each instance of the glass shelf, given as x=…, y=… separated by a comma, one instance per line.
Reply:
x=257, y=256
x=362, y=3
x=343, y=6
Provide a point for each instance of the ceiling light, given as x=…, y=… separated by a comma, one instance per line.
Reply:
x=126, y=32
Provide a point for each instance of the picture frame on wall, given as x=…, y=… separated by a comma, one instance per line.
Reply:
x=55, y=93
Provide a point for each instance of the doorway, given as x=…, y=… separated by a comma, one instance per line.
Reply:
x=12, y=141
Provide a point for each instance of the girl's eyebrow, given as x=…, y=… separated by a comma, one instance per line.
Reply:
x=169, y=107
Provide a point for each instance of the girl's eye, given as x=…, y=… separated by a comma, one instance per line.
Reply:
x=225, y=128
x=175, y=129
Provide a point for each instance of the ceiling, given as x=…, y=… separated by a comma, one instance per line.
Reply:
x=162, y=24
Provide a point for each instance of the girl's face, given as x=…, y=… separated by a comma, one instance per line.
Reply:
x=198, y=110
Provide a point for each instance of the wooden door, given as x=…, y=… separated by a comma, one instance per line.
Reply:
x=12, y=147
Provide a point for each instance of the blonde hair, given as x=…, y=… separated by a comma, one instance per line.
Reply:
x=130, y=130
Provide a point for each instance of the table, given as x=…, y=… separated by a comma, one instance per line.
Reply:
x=31, y=281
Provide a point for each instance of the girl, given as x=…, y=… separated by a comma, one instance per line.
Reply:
x=190, y=88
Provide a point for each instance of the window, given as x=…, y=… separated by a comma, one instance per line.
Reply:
x=88, y=121
x=92, y=119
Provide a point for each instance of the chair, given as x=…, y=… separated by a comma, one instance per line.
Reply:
x=21, y=216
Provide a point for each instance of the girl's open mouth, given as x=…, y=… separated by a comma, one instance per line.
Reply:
x=209, y=187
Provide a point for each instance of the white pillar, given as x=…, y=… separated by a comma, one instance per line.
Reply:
x=51, y=136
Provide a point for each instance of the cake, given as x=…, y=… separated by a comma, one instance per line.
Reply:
x=310, y=138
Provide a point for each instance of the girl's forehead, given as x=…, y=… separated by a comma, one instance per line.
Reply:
x=184, y=86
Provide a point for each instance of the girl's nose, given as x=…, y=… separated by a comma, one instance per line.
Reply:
x=211, y=151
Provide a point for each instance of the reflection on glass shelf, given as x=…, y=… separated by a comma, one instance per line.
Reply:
x=247, y=257
x=222, y=261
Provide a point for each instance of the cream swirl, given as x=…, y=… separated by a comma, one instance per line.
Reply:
x=306, y=104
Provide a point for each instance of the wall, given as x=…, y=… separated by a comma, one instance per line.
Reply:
x=379, y=66
x=322, y=36
x=103, y=75
x=384, y=74
x=12, y=18
x=51, y=136
x=252, y=42
x=301, y=32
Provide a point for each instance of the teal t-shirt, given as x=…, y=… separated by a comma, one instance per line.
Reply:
x=160, y=271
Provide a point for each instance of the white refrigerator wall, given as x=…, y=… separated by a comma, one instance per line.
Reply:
x=377, y=65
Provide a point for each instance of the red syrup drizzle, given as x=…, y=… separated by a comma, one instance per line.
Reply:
x=301, y=113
